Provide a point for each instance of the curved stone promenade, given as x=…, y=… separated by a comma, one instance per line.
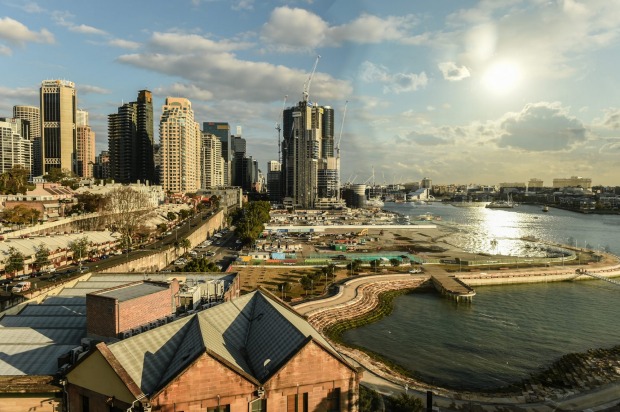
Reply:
x=361, y=295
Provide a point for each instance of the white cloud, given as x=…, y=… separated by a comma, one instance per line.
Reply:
x=211, y=66
x=124, y=44
x=295, y=29
x=17, y=33
x=189, y=91
x=89, y=89
x=452, y=72
x=85, y=29
x=395, y=83
x=243, y=5
x=542, y=127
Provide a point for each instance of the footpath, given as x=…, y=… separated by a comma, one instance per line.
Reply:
x=361, y=295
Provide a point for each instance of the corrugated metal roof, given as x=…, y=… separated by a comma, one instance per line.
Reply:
x=67, y=322
x=253, y=333
x=25, y=359
x=130, y=292
x=53, y=310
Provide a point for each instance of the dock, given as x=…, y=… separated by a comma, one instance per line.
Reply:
x=451, y=287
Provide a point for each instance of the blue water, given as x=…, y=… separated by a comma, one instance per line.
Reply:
x=508, y=332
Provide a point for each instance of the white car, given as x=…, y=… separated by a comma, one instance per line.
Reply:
x=180, y=262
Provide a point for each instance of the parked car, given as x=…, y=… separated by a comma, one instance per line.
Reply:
x=23, y=277
x=21, y=287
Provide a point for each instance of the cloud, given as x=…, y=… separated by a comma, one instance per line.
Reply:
x=541, y=127
x=296, y=29
x=84, y=29
x=189, y=91
x=452, y=72
x=425, y=139
x=88, y=89
x=549, y=38
x=124, y=44
x=611, y=119
x=211, y=66
x=64, y=19
x=17, y=33
x=243, y=5
x=395, y=83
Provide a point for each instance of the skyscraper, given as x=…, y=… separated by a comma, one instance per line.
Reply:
x=238, y=149
x=309, y=169
x=274, y=169
x=211, y=162
x=130, y=141
x=84, y=145
x=180, y=137
x=222, y=131
x=58, y=131
x=31, y=115
x=15, y=150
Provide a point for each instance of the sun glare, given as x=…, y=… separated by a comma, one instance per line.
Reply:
x=502, y=77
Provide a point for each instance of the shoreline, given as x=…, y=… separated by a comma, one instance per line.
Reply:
x=374, y=300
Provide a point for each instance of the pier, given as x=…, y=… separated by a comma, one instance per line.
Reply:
x=451, y=287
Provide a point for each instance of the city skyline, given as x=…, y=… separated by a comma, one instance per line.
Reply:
x=476, y=92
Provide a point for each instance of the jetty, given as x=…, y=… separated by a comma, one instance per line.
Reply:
x=450, y=286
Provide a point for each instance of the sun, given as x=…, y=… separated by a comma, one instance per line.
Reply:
x=502, y=77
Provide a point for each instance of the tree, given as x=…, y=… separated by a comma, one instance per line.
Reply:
x=14, y=180
x=185, y=244
x=162, y=227
x=126, y=211
x=171, y=216
x=395, y=262
x=14, y=261
x=406, y=403
x=354, y=266
x=41, y=257
x=89, y=202
x=494, y=245
x=21, y=215
x=306, y=283
x=79, y=248
x=201, y=265
x=283, y=288
x=184, y=214
x=369, y=400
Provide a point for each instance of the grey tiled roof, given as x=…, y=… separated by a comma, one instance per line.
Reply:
x=254, y=334
x=132, y=291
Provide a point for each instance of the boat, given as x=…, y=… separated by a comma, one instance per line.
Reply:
x=545, y=208
x=502, y=204
x=428, y=217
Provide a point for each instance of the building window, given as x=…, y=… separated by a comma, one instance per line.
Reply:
x=333, y=400
x=304, y=406
x=221, y=408
x=291, y=403
x=85, y=403
x=259, y=405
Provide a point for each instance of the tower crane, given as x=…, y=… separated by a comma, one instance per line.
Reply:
x=306, y=93
x=279, y=129
x=344, y=114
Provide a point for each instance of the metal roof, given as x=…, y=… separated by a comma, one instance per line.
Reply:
x=129, y=292
x=254, y=333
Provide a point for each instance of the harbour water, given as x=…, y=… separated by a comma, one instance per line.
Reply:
x=508, y=332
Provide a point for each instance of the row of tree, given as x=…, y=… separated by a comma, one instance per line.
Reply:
x=249, y=221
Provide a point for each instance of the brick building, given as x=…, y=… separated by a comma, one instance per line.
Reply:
x=251, y=354
x=110, y=312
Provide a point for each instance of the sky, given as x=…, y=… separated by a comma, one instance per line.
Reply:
x=458, y=91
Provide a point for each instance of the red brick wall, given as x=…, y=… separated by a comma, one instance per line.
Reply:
x=101, y=313
x=96, y=402
x=145, y=309
x=199, y=386
x=325, y=373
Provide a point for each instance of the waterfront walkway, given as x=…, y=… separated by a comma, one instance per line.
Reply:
x=360, y=296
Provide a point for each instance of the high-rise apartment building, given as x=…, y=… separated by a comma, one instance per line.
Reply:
x=58, y=104
x=309, y=168
x=101, y=168
x=211, y=162
x=573, y=181
x=84, y=145
x=238, y=148
x=274, y=173
x=180, y=138
x=15, y=150
x=222, y=131
x=131, y=141
x=32, y=115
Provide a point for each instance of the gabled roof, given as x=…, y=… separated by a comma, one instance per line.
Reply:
x=255, y=335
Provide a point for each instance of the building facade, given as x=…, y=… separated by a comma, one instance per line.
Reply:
x=32, y=115
x=15, y=150
x=131, y=140
x=274, y=172
x=221, y=359
x=211, y=162
x=58, y=103
x=84, y=145
x=573, y=181
x=307, y=147
x=180, y=138
x=222, y=131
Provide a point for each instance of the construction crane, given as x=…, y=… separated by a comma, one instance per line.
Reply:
x=344, y=114
x=306, y=93
x=279, y=129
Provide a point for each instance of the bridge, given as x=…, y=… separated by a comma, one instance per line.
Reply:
x=582, y=272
